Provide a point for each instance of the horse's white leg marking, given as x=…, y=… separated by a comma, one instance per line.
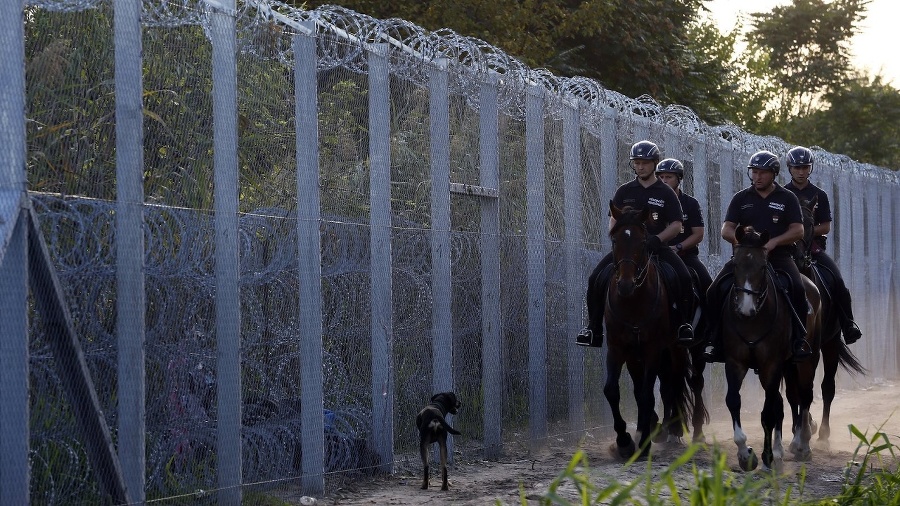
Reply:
x=740, y=439
x=777, y=452
x=745, y=305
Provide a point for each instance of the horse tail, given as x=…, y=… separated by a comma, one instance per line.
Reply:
x=682, y=372
x=848, y=360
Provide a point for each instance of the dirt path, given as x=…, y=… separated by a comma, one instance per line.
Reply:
x=482, y=482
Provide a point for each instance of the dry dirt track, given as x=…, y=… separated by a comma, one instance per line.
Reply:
x=482, y=483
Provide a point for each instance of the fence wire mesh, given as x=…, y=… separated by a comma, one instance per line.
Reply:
x=71, y=167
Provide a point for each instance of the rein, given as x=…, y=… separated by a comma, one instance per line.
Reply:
x=642, y=272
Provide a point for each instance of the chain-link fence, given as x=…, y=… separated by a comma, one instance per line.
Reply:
x=275, y=233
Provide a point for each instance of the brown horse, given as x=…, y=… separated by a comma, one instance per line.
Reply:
x=756, y=327
x=640, y=335
x=834, y=351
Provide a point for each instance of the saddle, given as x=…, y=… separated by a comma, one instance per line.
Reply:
x=673, y=284
x=827, y=281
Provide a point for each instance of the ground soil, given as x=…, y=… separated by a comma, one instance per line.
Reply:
x=523, y=473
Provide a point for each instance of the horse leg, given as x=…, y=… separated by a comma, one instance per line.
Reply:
x=734, y=377
x=830, y=361
x=646, y=418
x=805, y=383
x=624, y=443
x=698, y=365
x=772, y=418
x=669, y=391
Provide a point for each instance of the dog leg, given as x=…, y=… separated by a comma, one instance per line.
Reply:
x=423, y=451
x=444, y=484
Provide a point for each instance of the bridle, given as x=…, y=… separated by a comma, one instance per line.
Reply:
x=641, y=271
x=759, y=296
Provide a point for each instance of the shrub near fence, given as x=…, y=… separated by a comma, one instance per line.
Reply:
x=400, y=212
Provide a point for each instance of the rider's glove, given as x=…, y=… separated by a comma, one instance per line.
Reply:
x=655, y=244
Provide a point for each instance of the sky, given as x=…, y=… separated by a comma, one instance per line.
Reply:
x=873, y=47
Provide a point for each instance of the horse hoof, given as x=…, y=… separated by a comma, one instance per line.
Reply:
x=750, y=462
x=622, y=452
x=699, y=438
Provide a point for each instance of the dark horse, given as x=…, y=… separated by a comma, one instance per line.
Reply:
x=640, y=335
x=756, y=327
x=834, y=351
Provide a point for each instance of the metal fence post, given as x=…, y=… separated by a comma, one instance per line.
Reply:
x=14, y=416
x=131, y=298
x=576, y=282
x=380, y=245
x=227, y=269
x=536, y=261
x=309, y=249
x=491, y=370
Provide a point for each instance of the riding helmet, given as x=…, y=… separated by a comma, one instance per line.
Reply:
x=765, y=160
x=799, y=156
x=644, y=150
x=672, y=166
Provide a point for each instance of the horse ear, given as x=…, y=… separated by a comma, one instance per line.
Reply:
x=614, y=211
x=739, y=234
x=814, y=201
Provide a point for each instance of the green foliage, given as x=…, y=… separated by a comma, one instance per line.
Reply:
x=862, y=120
x=868, y=485
x=717, y=485
x=809, y=47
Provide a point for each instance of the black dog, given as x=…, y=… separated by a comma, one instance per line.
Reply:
x=433, y=428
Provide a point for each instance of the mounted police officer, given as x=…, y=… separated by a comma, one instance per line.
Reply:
x=766, y=206
x=646, y=190
x=671, y=172
x=800, y=164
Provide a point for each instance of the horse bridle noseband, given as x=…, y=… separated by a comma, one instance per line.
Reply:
x=642, y=272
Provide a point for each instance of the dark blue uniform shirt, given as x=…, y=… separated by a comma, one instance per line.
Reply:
x=772, y=214
x=664, y=204
x=822, y=213
x=690, y=217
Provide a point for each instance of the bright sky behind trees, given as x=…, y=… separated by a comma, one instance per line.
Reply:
x=874, y=47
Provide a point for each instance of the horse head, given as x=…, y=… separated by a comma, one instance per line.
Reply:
x=629, y=247
x=750, y=271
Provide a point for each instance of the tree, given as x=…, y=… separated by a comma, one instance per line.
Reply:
x=808, y=46
x=862, y=121
x=655, y=47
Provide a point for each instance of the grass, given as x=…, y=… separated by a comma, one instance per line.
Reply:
x=872, y=477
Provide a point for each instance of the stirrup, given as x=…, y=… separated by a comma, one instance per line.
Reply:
x=851, y=332
x=686, y=334
x=587, y=338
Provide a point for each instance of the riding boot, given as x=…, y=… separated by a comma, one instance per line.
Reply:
x=799, y=346
x=587, y=337
x=592, y=335
x=851, y=332
x=714, y=351
x=686, y=332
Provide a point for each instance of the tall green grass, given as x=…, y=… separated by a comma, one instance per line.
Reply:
x=872, y=477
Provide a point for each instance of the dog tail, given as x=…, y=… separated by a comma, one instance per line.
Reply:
x=450, y=429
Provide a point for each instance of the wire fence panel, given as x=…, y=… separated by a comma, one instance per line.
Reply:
x=415, y=211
